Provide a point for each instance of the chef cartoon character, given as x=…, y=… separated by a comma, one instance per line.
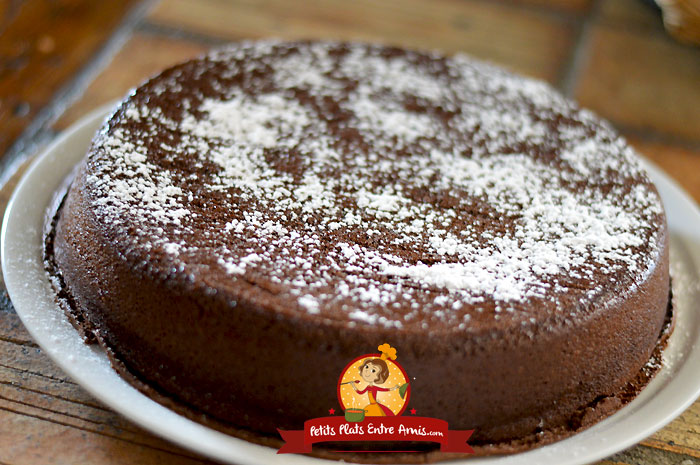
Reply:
x=375, y=372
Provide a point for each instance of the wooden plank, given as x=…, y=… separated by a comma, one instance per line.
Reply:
x=42, y=384
x=27, y=439
x=671, y=446
x=42, y=46
x=31, y=360
x=95, y=420
x=523, y=39
x=567, y=6
x=682, y=435
x=644, y=455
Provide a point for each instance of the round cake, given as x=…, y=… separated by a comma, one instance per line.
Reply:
x=247, y=222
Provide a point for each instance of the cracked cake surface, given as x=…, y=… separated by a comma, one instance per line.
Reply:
x=291, y=203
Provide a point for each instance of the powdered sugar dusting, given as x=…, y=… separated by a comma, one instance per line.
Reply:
x=377, y=186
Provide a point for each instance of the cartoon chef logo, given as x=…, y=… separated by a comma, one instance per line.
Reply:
x=373, y=385
x=373, y=391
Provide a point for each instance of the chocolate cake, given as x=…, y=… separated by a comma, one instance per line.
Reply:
x=248, y=222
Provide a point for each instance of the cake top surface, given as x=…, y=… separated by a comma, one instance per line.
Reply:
x=375, y=186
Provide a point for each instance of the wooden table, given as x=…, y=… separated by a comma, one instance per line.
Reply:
x=62, y=58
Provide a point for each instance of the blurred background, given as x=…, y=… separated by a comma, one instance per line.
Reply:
x=60, y=59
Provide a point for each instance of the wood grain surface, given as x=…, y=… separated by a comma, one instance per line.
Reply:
x=612, y=56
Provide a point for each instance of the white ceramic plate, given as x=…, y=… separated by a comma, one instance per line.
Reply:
x=675, y=387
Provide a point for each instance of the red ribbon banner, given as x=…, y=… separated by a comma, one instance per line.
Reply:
x=332, y=429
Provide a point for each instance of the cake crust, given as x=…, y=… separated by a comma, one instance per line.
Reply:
x=247, y=222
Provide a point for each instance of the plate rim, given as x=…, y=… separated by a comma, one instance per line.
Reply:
x=221, y=451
